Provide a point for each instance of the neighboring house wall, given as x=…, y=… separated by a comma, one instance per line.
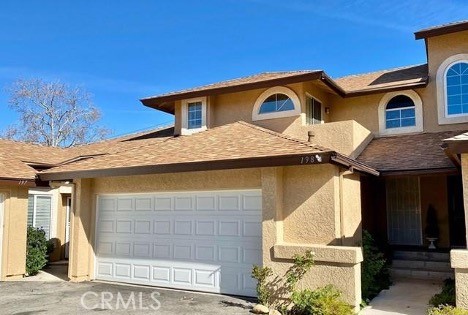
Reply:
x=301, y=210
x=14, y=231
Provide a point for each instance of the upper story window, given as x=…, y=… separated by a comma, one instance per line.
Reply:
x=400, y=112
x=276, y=102
x=456, y=81
x=452, y=90
x=193, y=115
x=313, y=111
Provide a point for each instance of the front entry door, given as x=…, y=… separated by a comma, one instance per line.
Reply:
x=404, y=211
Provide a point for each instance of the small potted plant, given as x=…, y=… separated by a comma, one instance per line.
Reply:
x=432, y=227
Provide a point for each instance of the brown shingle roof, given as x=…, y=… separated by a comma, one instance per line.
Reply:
x=17, y=158
x=165, y=102
x=15, y=169
x=443, y=29
x=408, y=152
x=384, y=79
x=234, y=141
x=398, y=78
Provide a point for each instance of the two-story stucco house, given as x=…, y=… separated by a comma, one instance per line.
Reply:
x=260, y=168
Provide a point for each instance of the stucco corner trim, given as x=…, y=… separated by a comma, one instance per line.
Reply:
x=459, y=258
x=322, y=253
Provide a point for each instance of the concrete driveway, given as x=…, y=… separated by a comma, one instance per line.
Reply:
x=60, y=297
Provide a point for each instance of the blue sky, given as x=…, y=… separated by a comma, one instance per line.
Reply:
x=121, y=51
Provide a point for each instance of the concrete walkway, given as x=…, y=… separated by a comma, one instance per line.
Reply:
x=52, y=273
x=405, y=297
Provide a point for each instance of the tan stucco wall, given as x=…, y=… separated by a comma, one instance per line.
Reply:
x=14, y=231
x=314, y=193
x=309, y=196
x=228, y=108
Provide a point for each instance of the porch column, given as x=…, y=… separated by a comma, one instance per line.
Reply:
x=459, y=257
x=81, y=256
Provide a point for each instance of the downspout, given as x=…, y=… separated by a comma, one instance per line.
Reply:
x=342, y=173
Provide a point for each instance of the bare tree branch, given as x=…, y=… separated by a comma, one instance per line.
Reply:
x=53, y=114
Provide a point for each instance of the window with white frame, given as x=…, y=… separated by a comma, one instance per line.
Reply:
x=194, y=111
x=276, y=102
x=400, y=112
x=452, y=90
x=194, y=115
x=313, y=111
x=456, y=82
x=39, y=212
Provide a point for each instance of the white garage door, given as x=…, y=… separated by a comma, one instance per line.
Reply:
x=204, y=241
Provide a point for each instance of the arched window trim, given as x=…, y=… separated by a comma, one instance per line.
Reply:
x=271, y=91
x=417, y=111
x=441, y=83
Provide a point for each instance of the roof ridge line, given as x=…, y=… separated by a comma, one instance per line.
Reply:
x=382, y=70
x=286, y=137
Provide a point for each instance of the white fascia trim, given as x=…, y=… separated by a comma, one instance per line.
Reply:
x=441, y=89
x=418, y=110
x=185, y=130
x=276, y=90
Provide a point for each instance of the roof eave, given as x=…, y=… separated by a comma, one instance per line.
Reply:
x=27, y=182
x=165, y=103
x=423, y=83
x=423, y=34
x=353, y=165
x=264, y=161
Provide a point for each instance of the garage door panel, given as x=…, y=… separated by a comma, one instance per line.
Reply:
x=204, y=241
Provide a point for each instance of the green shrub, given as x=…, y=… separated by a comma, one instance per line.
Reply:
x=323, y=301
x=36, y=250
x=275, y=291
x=446, y=296
x=375, y=273
x=446, y=310
x=261, y=274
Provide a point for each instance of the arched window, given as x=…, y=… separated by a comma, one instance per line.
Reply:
x=452, y=90
x=456, y=82
x=276, y=102
x=400, y=112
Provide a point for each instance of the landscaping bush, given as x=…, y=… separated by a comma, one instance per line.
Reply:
x=36, y=251
x=446, y=310
x=323, y=301
x=375, y=272
x=261, y=274
x=446, y=296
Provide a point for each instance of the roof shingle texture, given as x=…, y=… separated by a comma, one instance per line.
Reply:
x=408, y=152
x=238, y=140
x=384, y=78
x=15, y=156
